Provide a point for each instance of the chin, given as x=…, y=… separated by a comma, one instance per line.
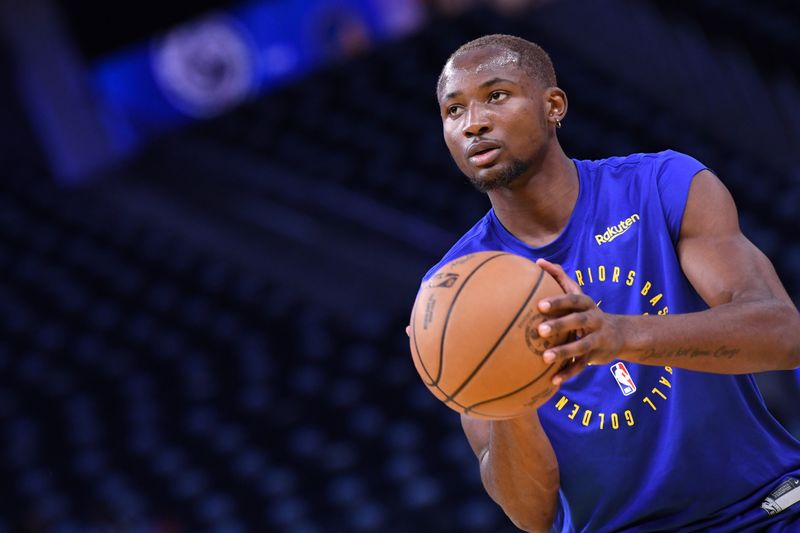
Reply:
x=487, y=184
x=493, y=178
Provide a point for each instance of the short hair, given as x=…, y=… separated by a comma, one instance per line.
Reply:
x=533, y=59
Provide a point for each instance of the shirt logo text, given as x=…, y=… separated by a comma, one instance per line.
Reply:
x=612, y=232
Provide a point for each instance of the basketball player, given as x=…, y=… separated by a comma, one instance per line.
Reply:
x=657, y=424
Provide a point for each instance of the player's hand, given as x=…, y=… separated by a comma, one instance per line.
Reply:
x=596, y=337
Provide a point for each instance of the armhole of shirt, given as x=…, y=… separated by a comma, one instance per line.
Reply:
x=674, y=173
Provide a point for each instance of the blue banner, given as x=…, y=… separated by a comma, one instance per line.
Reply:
x=206, y=66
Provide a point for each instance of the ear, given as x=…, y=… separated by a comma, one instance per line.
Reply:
x=555, y=105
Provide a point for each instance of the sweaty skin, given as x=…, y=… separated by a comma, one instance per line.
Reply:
x=493, y=107
x=532, y=184
x=501, y=58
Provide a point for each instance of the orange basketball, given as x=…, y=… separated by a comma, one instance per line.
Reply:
x=474, y=336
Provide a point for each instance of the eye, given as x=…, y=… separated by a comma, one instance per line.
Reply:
x=453, y=110
x=497, y=96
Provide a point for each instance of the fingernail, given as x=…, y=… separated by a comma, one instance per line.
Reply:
x=544, y=305
x=549, y=357
x=556, y=381
x=544, y=330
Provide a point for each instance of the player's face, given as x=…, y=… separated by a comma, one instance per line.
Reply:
x=493, y=117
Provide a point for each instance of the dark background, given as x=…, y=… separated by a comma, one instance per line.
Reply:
x=101, y=28
x=208, y=333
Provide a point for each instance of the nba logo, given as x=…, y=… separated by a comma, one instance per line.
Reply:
x=624, y=379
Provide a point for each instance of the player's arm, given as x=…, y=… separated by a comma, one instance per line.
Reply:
x=752, y=324
x=518, y=468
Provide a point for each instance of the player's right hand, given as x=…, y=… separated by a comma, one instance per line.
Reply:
x=598, y=336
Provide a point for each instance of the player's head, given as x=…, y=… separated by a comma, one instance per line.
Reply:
x=499, y=105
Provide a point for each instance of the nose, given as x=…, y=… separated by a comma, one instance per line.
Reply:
x=476, y=121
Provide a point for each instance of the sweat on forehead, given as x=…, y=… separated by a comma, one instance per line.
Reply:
x=500, y=50
x=484, y=58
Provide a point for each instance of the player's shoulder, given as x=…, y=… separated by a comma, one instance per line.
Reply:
x=665, y=158
x=642, y=170
x=477, y=239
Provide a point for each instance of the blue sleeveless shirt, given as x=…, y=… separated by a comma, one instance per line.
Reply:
x=648, y=448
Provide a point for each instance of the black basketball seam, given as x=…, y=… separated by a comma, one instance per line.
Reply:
x=419, y=357
x=466, y=410
x=449, y=312
x=519, y=389
x=499, y=340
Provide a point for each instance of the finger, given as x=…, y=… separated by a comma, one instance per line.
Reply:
x=565, y=303
x=565, y=352
x=580, y=323
x=408, y=330
x=570, y=371
x=557, y=271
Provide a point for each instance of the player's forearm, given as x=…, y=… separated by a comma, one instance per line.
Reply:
x=732, y=338
x=520, y=472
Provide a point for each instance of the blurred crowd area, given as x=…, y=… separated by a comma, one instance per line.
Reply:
x=208, y=334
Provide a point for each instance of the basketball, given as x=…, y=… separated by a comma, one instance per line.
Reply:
x=474, y=338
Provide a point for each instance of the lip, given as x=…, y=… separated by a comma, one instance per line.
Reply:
x=481, y=146
x=482, y=153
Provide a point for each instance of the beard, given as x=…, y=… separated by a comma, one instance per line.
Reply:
x=505, y=176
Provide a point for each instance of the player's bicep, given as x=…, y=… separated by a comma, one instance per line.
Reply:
x=477, y=432
x=719, y=261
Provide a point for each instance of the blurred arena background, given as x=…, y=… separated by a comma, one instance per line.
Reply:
x=214, y=216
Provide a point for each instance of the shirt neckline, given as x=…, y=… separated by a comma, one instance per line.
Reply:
x=567, y=235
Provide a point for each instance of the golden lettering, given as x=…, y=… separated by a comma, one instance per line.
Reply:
x=629, y=417
x=586, y=276
x=646, y=288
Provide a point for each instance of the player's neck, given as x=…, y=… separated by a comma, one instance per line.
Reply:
x=537, y=209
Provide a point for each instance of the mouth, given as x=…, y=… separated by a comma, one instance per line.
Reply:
x=482, y=152
x=485, y=156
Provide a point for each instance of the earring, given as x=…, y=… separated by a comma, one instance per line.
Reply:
x=558, y=123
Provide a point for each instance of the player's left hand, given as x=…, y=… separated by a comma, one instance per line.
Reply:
x=597, y=336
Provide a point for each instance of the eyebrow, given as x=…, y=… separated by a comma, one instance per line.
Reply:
x=483, y=85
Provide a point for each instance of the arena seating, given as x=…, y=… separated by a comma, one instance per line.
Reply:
x=161, y=375
x=147, y=383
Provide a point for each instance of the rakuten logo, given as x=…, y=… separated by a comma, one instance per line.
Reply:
x=612, y=232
